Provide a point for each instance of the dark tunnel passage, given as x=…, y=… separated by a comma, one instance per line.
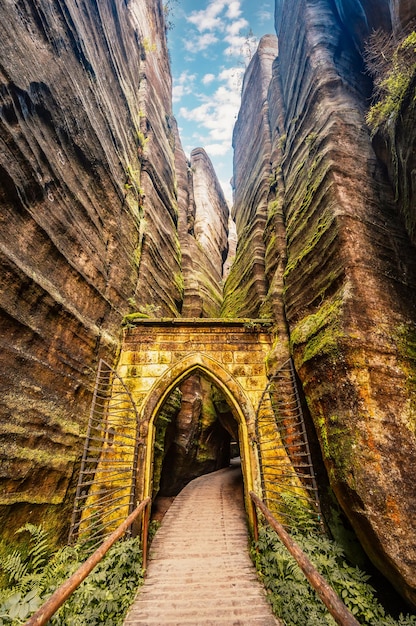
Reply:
x=195, y=434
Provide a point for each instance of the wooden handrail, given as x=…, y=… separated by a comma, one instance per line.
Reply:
x=332, y=601
x=63, y=592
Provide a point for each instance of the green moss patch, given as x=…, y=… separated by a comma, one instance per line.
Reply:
x=392, y=80
x=320, y=332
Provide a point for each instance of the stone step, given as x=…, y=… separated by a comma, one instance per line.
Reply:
x=199, y=616
x=198, y=605
x=199, y=571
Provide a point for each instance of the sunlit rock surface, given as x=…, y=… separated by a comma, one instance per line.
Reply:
x=89, y=224
x=338, y=251
x=246, y=287
x=203, y=233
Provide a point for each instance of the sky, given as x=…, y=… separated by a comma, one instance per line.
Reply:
x=210, y=43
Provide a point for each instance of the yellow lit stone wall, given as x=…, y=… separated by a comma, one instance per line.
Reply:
x=157, y=354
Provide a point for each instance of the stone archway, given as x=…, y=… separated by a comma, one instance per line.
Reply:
x=157, y=354
x=238, y=401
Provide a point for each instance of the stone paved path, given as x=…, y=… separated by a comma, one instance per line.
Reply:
x=200, y=571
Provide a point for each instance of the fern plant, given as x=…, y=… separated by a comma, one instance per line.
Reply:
x=35, y=574
x=19, y=568
x=293, y=599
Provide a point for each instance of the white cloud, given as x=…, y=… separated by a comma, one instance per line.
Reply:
x=217, y=149
x=236, y=27
x=208, y=19
x=233, y=77
x=207, y=79
x=264, y=15
x=183, y=85
x=221, y=20
x=216, y=114
x=234, y=9
x=241, y=46
x=213, y=17
x=200, y=43
x=236, y=45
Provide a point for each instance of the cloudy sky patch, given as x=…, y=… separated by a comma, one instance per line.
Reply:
x=210, y=45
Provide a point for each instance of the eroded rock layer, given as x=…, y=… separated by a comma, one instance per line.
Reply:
x=89, y=224
x=203, y=233
x=338, y=251
x=246, y=287
x=195, y=443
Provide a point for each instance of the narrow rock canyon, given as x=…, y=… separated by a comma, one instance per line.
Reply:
x=105, y=218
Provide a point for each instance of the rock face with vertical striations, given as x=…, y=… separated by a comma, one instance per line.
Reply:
x=203, y=233
x=246, y=287
x=89, y=225
x=338, y=253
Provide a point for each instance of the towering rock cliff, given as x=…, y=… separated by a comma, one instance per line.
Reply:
x=103, y=214
x=203, y=233
x=336, y=250
x=246, y=287
x=90, y=205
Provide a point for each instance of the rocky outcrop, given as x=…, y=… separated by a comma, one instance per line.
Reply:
x=203, y=233
x=339, y=254
x=246, y=288
x=89, y=216
x=402, y=13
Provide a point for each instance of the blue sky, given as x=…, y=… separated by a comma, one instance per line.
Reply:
x=210, y=44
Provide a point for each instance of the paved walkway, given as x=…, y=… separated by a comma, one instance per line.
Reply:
x=200, y=572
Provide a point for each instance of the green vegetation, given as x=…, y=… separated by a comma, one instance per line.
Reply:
x=274, y=180
x=148, y=46
x=144, y=312
x=311, y=138
x=240, y=287
x=179, y=284
x=32, y=574
x=142, y=140
x=293, y=599
x=282, y=141
x=393, y=68
x=320, y=332
x=132, y=183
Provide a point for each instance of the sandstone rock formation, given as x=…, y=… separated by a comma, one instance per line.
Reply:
x=246, y=287
x=349, y=274
x=102, y=214
x=197, y=442
x=89, y=215
x=203, y=233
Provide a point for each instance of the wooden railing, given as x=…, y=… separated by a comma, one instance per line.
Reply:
x=63, y=592
x=332, y=601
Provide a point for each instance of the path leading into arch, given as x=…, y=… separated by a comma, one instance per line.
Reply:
x=199, y=570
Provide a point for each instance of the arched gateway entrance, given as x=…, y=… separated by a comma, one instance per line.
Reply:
x=157, y=355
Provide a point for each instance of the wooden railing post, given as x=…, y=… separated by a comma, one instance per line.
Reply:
x=255, y=523
x=332, y=601
x=145, y=535
x=63, y=592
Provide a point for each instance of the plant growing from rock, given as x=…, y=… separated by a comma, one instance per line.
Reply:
x=393, y=67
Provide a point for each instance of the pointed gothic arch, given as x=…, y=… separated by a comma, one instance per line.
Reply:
x=237, y=399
